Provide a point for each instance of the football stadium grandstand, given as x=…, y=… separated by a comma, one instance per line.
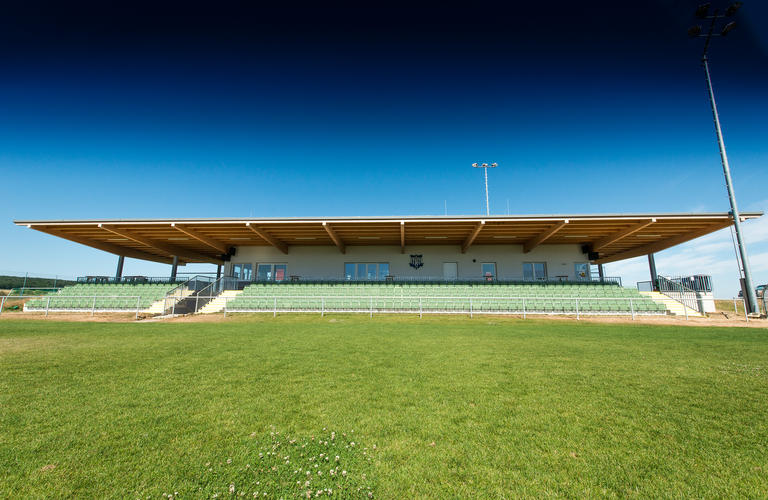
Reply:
x=550, y=264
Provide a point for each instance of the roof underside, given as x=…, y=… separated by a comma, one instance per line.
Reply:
x=612, y=237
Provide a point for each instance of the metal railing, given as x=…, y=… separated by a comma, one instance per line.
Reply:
x=95, y=303
x=130, y=280
x=608, y=280
x=175, y=295
x=435, y=304
x=372, y=304
x=677, y=290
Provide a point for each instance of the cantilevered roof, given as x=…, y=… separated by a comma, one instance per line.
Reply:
x=611, y=236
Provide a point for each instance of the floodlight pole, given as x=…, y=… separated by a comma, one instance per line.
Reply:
x=485, y=168
x=747, y=275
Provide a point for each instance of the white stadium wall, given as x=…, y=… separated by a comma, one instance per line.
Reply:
x=326, y=262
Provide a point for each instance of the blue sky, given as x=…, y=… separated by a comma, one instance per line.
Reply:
x=375, y=112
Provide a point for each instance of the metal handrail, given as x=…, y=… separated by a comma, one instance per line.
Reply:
x=174, y=300
x=689, y=298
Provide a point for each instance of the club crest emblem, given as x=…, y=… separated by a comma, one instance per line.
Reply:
x=416, y=261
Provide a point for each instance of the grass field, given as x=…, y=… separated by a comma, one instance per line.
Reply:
x=437, y=408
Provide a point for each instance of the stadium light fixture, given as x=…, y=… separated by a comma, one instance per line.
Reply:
x=745, y=274
x=485, y=167
x=733, y=8
x=728, y=28
x=694, y=31
x=703, y=10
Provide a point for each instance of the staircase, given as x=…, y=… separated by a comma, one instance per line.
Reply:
x=672, y=305
x=217, y=304
x=159, y=306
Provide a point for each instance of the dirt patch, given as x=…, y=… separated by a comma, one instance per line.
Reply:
x=716, y=319
x=74, y=316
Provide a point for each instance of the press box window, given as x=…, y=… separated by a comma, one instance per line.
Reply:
x=535, y=271
x=366, y=271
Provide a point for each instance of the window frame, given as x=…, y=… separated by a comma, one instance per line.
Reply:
x=533, y=271
x=363, y=267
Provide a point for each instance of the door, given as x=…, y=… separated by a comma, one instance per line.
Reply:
x=450, y=271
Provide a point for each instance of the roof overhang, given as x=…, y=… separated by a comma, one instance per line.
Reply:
x=609, y=237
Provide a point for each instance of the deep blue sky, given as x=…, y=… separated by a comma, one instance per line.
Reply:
x=237, y=110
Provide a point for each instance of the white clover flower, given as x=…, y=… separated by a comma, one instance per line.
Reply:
x=229, y=460
x=337, y=458
x=343, y=473
x=231, y=488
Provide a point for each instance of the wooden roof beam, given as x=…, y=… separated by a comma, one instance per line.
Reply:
x=282, y=246
x=472, y=236
x=538, y=240
x=216, y=245
x=657, y=246
x=163, y=247
x=335, y=237
x=620, y=235
x=106, y=247
x=402, y=236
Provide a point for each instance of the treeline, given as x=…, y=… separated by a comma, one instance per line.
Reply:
x=18, y=281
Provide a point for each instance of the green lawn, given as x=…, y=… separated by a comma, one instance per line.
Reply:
x=437, y=408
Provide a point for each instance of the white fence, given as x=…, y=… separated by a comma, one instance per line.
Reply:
x=522, y=306
x=368, y=304
x=131, y=303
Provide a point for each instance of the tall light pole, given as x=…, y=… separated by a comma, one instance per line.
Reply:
x=702, y=12
x=485, y=167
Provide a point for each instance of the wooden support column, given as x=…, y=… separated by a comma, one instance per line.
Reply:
x=618, y=236
x=472, y=236
x=162, y=246
x=216, y=245
x=268, y=238
x=538, y=240
x=402, y=236
x=335, y=237
x=103, y=245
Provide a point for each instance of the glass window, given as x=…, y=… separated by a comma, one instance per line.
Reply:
x=349, y=271
x=527, y=271
x=371, y=271
x=489, y=270
x=264, y=272
x=280, y=270
x=581, y=270
x=272, y=272
x=535, y=271
x=242, y=271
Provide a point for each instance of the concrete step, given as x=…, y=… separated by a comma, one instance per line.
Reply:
x=672, y=305
x=217, y=304
x=158, y=306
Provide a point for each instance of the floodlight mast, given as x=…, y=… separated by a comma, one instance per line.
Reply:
x=485, y=167
x=703, y=13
